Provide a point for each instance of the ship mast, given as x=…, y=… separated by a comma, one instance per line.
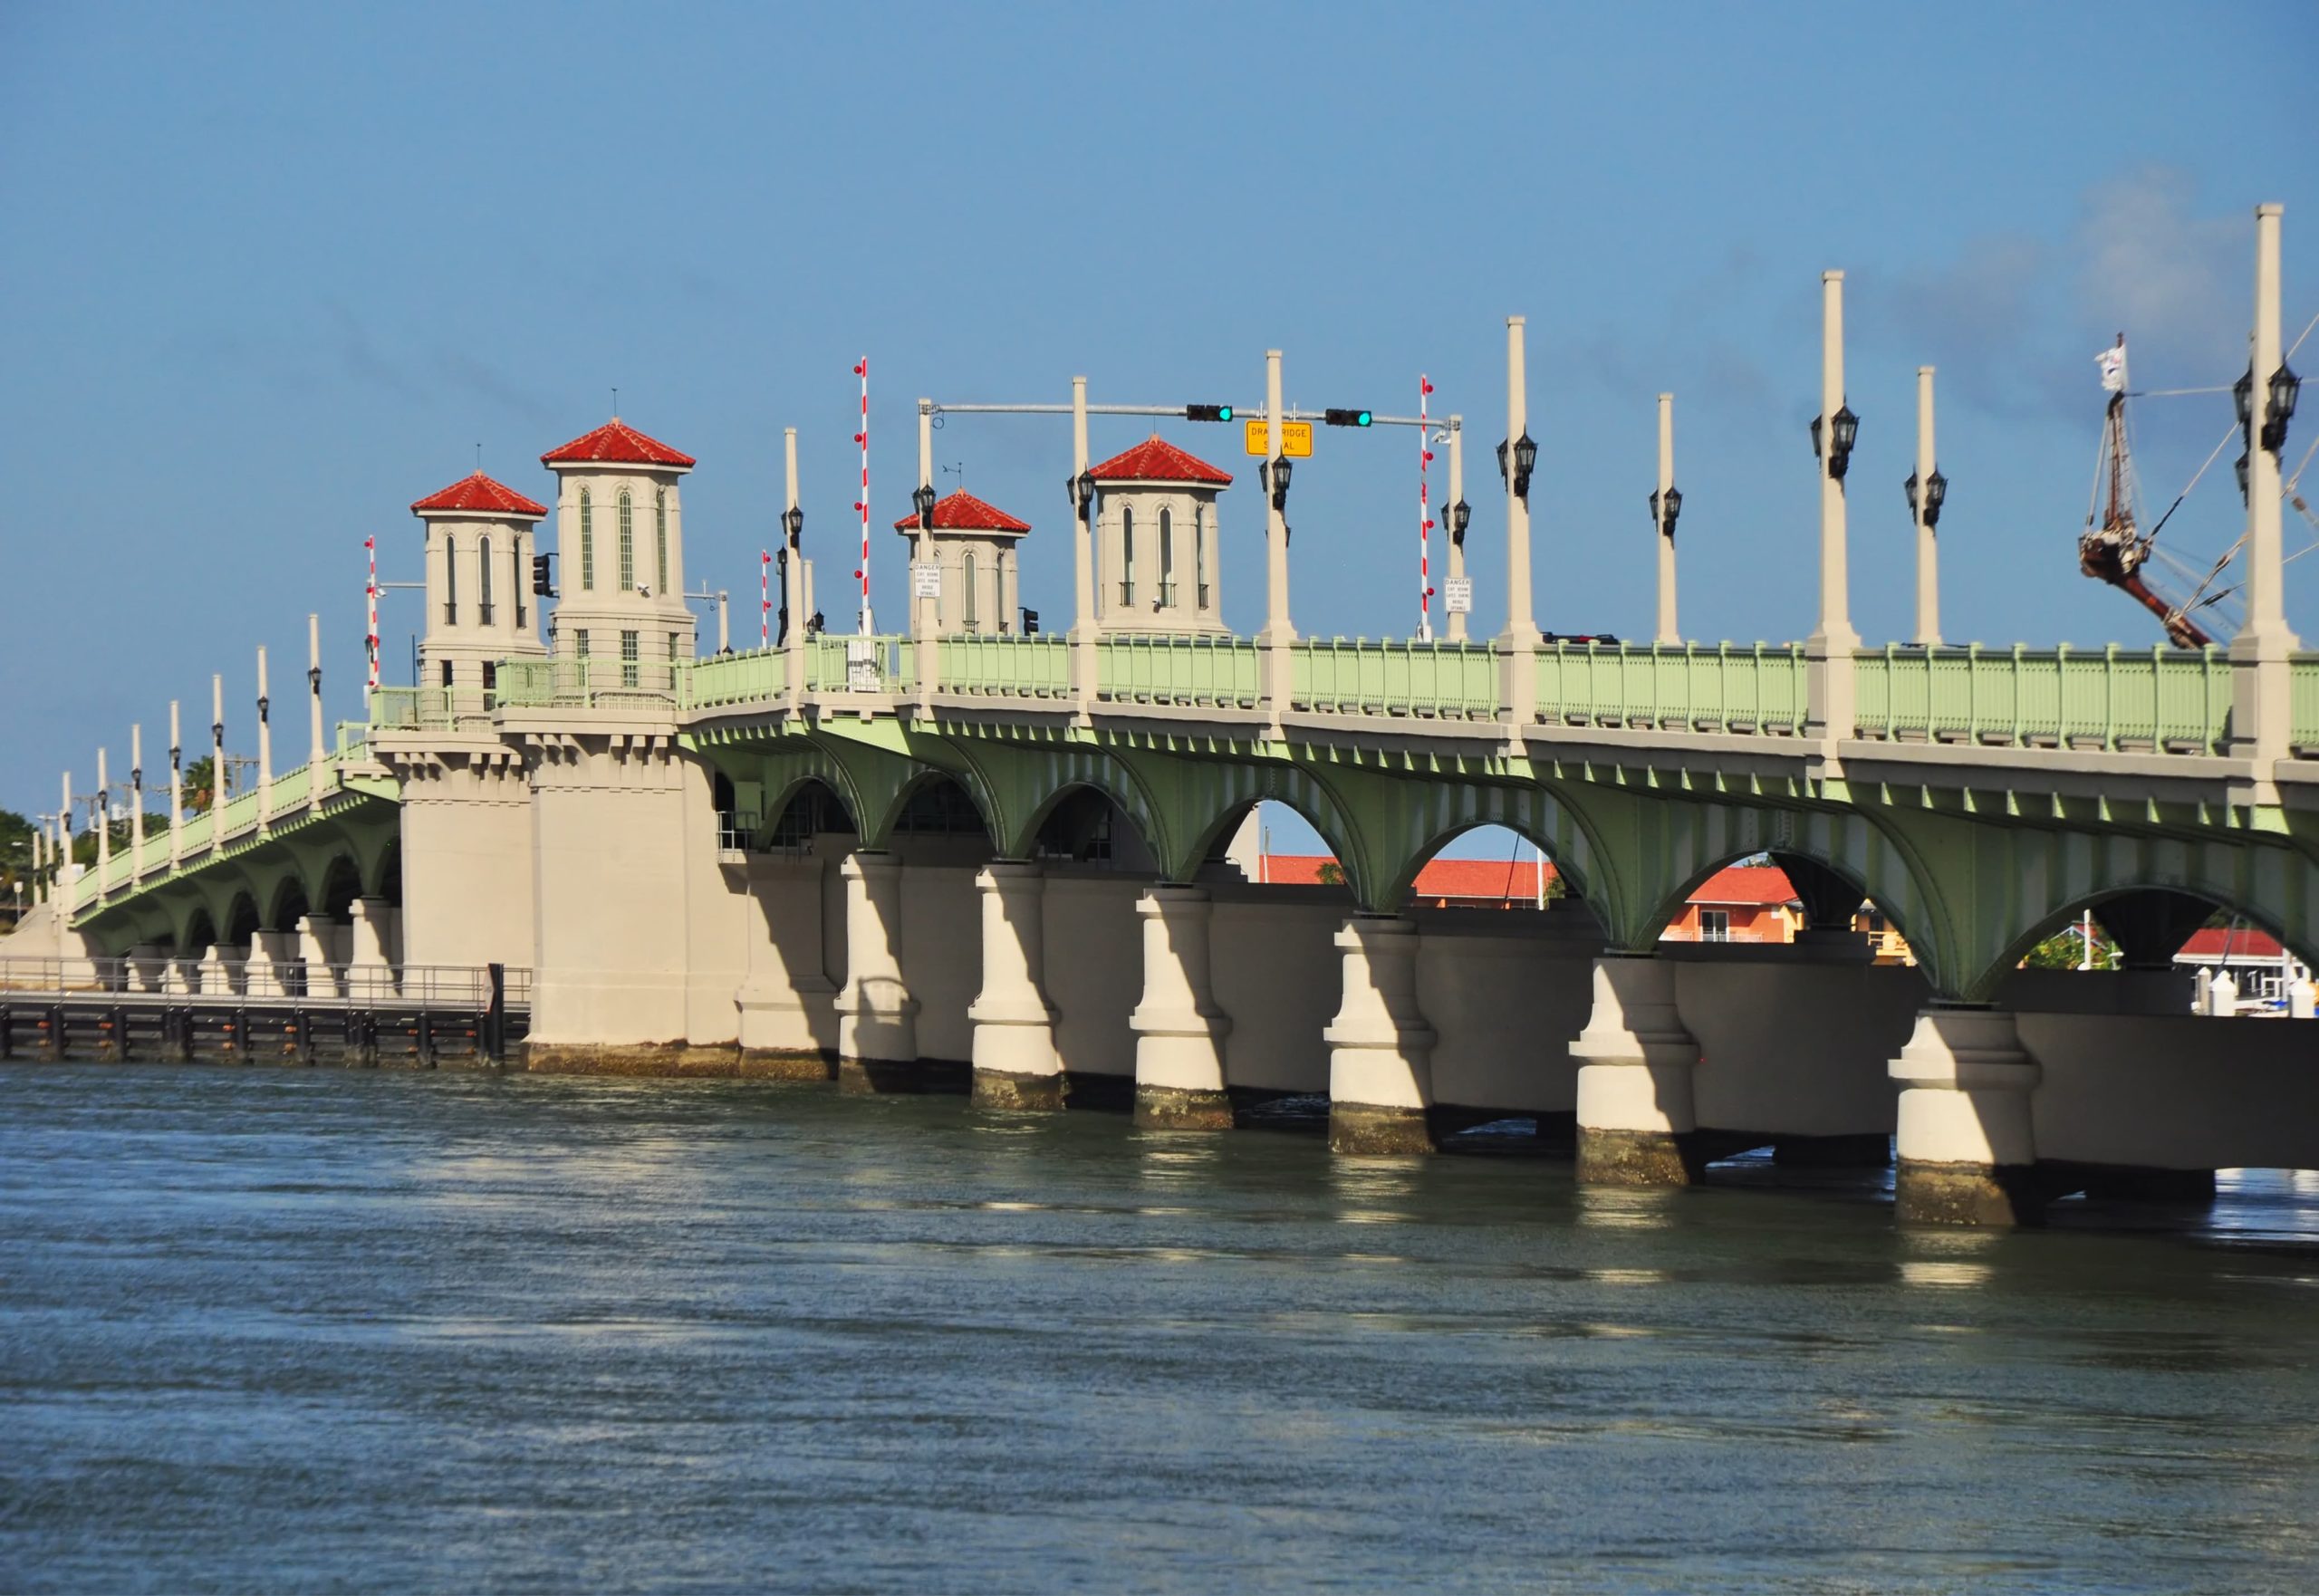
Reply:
x=2115, y=551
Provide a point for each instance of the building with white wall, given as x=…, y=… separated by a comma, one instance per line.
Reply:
x=621, y=555
x=1156, y=531
x=974, y=544
x=480, y=540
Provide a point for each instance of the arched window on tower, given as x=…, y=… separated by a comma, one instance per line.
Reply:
x=972, y=614
x=587, y=542
x=1127, y=555
x=450, y=580
x=660, y=535
x=1199, y=552
x=1167, y=557
x=482, y=595
x=627, y=543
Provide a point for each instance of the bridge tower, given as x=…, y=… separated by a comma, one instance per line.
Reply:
x=975, y=544
x=479, y=606
x=1157, y=530
x=621, y=571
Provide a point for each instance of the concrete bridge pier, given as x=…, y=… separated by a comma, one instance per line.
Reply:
x=319, y=948
x=1636, y=1122
x=1178, y=1029
x=1016, y=1065
x=370, y=936
x=181, y=975
x=1381, y=1048
x=877, y=1015
x=221, y=969
x=786, y=1026
x=146, y=967
x=1966, y=1145
x=272, y=968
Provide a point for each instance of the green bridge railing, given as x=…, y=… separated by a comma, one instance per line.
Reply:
x=1205, y=672
x=2166, y=701
x=236, y=820
x=1752, y=689
x=2161, y=700
x=1436, y=681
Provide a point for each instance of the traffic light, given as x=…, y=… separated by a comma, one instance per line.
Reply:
x=1207, y=412
x=1030, y=623
x=542, y=585
x=1345, y=418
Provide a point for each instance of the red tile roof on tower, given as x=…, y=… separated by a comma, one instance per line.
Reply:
x=962, y=512
x=481, y=495
x=1155, y=460
x=619, y=444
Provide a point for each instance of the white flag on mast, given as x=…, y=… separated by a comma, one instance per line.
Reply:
x=2113, y=361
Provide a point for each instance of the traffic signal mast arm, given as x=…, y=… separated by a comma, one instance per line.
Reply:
x=1333, y=417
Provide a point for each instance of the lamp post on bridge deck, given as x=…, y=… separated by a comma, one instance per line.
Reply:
x=2260, y=655
x=1828, y=651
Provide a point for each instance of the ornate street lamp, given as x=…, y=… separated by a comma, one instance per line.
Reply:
x=1081, y=490
x=1525, y=461
x=2286, y=389
x=922, y=501
x=1457, y=517
x=1663, y=515
x=1274, y=475
x=1845, y=432
x=792, y=520
x=1936, y=494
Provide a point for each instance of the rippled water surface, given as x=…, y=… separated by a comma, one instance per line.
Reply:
x=330, y=1331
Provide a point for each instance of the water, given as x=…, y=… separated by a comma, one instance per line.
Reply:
x=327, y=1330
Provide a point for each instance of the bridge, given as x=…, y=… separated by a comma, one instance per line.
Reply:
x=964, y=856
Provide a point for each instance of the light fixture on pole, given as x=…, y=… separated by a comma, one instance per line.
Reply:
x=1936, y=494
x=1846, y=431
x=1457, y=517
x=1082, y=489
x=1525, y=461
x=793, y=522
x=922, y=501
x=1274, y=475
x=1664, y=511
x=2286, y=389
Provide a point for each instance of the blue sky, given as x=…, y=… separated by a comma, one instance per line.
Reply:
x=272, y=272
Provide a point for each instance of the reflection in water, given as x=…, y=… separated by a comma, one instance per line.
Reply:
x=366, y=1331
x=1626, y=1208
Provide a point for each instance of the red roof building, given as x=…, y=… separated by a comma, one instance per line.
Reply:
x=962, y=512
x=2212, y=945
x=1155, y=460
x=616, y=443
x=1441, y=883
x=479, y=495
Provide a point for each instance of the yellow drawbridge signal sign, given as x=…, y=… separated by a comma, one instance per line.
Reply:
x=1295, y=439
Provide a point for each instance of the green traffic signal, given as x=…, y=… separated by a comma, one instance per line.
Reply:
x=1207, y=412
x=1345, y=418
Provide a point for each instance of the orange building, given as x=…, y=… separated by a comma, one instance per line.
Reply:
x=1740, y=903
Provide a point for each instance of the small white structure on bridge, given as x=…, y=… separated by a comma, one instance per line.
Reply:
x=479, y=546
x=620, y=533
x=1157, y=530
x=974, y=544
